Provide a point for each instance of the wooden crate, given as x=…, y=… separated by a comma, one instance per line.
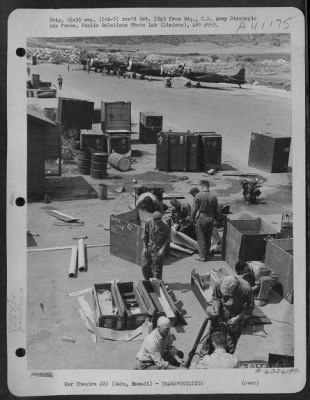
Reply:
x=116, y=116
x=112, y=321
x=269, y=152
x=246, y=240
x=126, y=236
x=129, y=297
x=91, y=141
x=279, y=258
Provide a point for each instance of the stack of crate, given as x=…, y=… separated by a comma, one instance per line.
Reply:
x=116, y=126
x=188, y=151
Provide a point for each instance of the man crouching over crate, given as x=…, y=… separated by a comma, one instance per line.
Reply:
x=233, y=304
x=157, y=351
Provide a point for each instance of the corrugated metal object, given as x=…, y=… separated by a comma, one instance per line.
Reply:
x=172, y=151
x=211, y=145
x=194, y=152
x=246, y=240
x=269, y=152
x=116, y=116
x=279, y=258
x=150, y=124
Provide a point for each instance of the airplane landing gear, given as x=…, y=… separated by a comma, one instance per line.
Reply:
x=198, y=85
x=188, y=84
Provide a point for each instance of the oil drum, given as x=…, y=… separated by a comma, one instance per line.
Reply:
x=119, y=162
x=98, y=166
x=84, y=159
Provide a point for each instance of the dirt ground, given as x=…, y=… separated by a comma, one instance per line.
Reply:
x=228, y=110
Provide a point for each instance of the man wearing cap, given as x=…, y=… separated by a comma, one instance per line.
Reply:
x=260, y=277
x=156, y=237
x=233, y=303
x=157, y=350
x=194, y=191
x=220, y=358
x=206, y=205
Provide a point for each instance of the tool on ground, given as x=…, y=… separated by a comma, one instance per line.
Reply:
x=243, y=174
x=206, y=326
x=73, y=262
x=81, y=255
x=42, y=249
x=77, y=223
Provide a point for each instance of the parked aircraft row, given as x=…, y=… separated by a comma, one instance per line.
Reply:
x=150, y=69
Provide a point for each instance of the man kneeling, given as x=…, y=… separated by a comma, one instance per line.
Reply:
x=220, y=358
x=157, y=351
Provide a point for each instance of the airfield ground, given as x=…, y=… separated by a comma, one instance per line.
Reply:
x=228, y=110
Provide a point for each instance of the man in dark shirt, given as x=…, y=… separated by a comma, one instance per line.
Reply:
x=206, y=204
x=156, y=238
x=233, y=303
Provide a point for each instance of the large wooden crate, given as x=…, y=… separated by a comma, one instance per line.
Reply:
x=269, y=152
x=92, y=141
x=116, y=116
x=75, y=113
x=246, y=240
x=126, y=236
x=279, y=258
x=129, y=297
x=111, y=321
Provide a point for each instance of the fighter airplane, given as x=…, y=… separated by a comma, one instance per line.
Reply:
x=212, y=77
x=112, y=64
x=147, y=69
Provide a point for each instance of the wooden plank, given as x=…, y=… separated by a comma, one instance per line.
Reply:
x=86, y=309
x=61, y=216
x=42, y=249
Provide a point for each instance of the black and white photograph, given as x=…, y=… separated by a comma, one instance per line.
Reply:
x=160, y=154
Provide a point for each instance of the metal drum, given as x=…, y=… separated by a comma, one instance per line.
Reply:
x=98, y=166
x=84, y=159
x=119, y=162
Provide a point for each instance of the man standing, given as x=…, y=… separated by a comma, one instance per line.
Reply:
x=260, y=278
x=220, y=358
x=206, y=204
x=156, y=238
x=157, y=350
x=59, y=80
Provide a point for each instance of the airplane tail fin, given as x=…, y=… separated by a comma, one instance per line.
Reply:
x=240, y=76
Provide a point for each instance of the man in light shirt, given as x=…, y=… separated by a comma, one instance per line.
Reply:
x=260, y=277
x=157, y=350
x=219, y=358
